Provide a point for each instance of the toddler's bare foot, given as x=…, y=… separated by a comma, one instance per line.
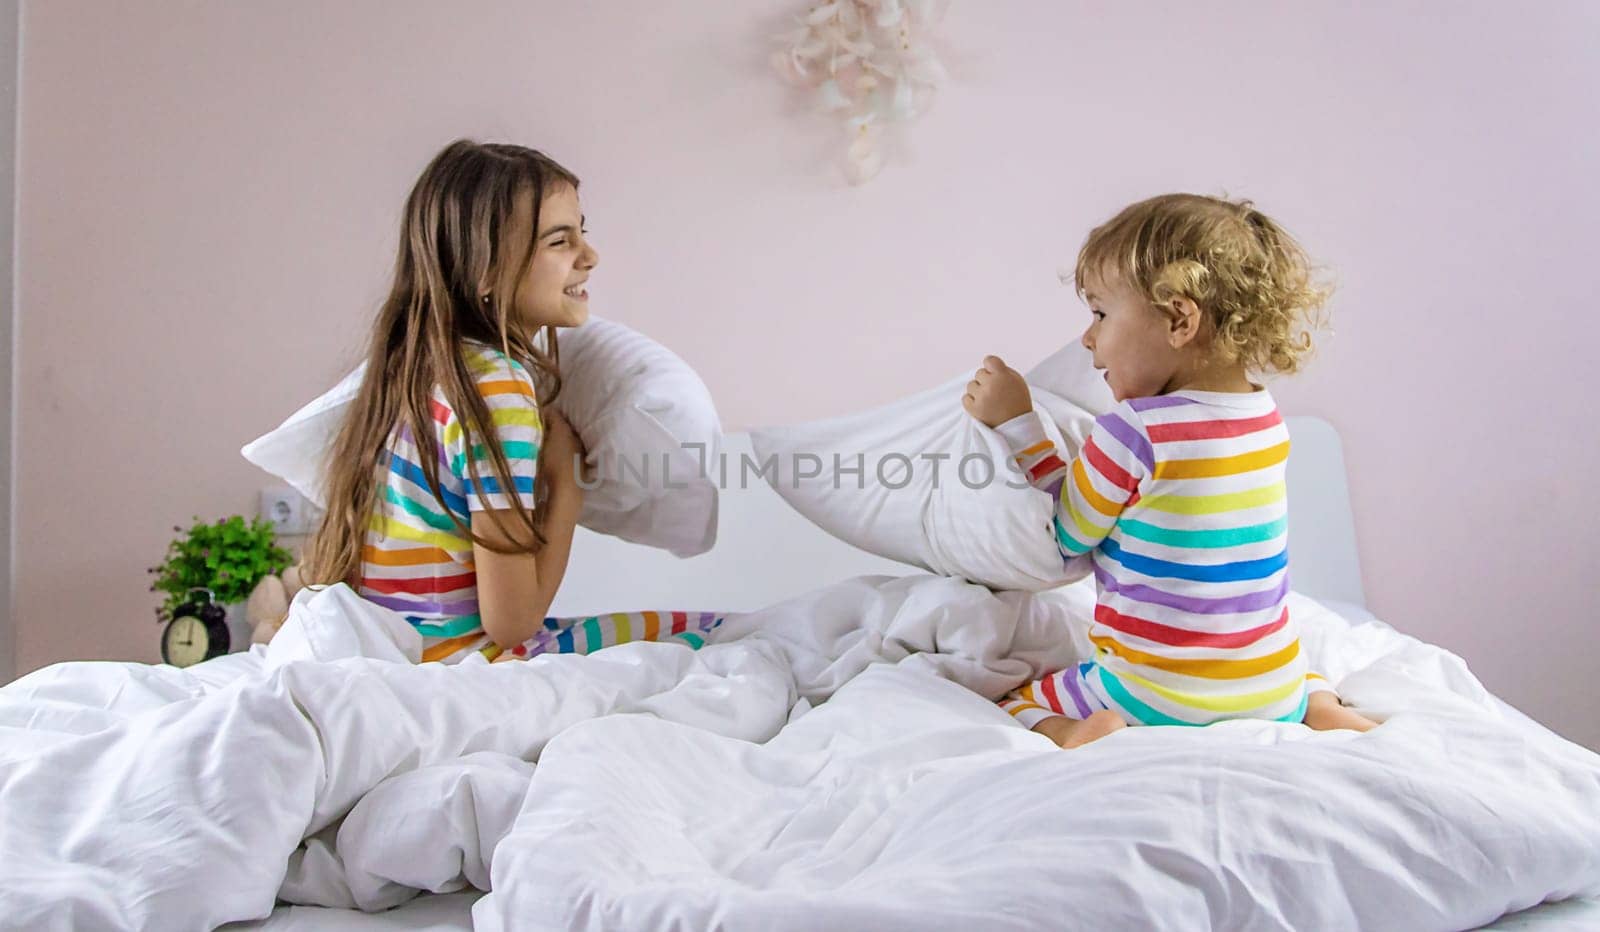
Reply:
x=1325, y=713
x=1071, y=733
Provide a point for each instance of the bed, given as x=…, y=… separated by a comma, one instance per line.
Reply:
x=881, y=845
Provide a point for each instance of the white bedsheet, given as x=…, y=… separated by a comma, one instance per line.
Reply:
x=716, y=789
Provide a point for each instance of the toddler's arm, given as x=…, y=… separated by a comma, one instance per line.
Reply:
x=1091, y=492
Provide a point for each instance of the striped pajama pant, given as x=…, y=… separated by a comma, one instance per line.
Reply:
x=586, y=634
x=1080, y=691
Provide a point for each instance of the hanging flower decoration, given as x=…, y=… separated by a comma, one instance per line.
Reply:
x=866, y=61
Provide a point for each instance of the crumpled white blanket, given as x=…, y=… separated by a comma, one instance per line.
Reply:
x=833, y=760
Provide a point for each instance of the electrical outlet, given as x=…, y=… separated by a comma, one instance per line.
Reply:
x=290, y=513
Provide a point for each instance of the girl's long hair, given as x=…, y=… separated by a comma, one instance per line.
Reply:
x=455, y=282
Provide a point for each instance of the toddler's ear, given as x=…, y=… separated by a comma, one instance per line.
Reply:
x=1184, y=321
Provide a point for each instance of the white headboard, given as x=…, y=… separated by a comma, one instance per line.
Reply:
x=767, y=552
x=1322, y=528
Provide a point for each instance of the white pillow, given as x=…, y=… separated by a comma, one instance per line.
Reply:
x=641, y=410
x=932, y=513
x=635, y=404
x=1069, y=372
x=294, y=450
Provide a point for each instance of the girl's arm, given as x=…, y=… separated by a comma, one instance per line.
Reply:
x=515, y=590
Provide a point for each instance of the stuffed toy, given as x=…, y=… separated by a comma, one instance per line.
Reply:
x=268, y=605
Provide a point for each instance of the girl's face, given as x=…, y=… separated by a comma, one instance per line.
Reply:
x=553, y=292
x=1130, y=339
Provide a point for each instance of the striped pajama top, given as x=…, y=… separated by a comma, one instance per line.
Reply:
x=415, y=560
x=1178, y=503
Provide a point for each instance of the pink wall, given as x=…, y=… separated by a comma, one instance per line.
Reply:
x=209, y=191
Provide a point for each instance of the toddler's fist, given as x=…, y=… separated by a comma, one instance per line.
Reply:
x=997, y=393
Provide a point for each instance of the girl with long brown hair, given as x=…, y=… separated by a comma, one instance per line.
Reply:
x=452, y=488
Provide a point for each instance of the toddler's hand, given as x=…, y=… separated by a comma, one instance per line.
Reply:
x=997, y=393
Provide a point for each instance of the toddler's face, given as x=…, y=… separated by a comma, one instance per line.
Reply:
x=1129, y=338
x=553, y=292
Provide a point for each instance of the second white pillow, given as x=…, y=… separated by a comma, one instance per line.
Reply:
x=935, y=488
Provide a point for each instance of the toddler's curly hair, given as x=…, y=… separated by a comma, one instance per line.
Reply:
x=1248, y=276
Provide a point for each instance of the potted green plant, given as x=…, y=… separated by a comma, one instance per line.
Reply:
x=227, y=557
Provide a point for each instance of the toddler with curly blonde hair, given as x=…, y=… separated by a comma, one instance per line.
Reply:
x=1177, y=499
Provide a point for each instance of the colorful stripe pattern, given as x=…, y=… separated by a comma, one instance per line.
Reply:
x=1178, y=503
x=416, y=560
x=587, y=634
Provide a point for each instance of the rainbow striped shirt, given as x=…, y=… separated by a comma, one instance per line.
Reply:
x=415, y=560
x=1179, y=505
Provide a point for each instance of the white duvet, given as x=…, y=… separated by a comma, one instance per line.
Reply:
x=832, y=762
